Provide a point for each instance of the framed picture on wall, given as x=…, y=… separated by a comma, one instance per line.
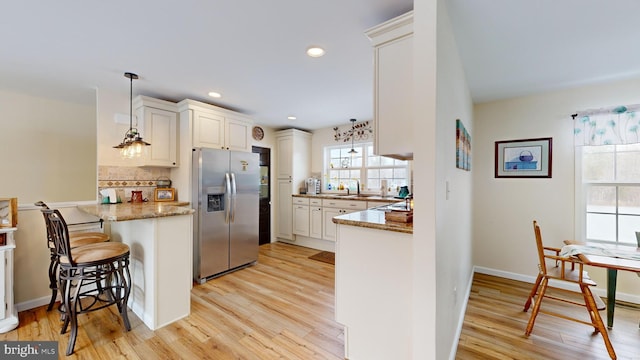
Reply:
x=526, y=158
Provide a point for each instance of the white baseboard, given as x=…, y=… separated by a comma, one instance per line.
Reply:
x=454, y=346
x=31, y=304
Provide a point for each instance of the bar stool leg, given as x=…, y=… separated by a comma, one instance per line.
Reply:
x=53, y=281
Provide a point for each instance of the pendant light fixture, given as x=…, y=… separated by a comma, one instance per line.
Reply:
x=132, y=145
x=353, y=132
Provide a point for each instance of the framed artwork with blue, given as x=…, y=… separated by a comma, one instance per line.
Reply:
x=463, y=147
x=526, y=158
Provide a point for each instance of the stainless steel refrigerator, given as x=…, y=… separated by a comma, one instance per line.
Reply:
x=225, y=196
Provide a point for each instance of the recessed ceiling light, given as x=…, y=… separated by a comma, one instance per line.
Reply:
x=214, y=94
x=315, y=51
x=291, y=117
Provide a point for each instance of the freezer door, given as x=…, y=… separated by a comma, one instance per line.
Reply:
x=245, y=170
x=213, y=212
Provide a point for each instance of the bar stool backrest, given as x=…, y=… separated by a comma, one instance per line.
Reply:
x=59, y=235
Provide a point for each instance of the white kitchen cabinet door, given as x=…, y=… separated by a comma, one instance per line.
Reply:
x=208, y=130
x=393, y=87
x=237, y=134
x=285, y=157
x=315, y=222
x=329, y=227
x=161, y=130
x=284, y=220
x=301, y=220
x=158, y=125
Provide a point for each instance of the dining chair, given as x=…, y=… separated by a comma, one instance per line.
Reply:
x=90, y=277
x=552, y=266
x=76, y=240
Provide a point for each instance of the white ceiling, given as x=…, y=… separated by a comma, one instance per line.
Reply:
x=253, y=51
x=519, y=47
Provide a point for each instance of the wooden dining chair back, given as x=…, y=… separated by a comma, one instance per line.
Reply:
x=75, y=240
x=552, y=266
x=90, y=277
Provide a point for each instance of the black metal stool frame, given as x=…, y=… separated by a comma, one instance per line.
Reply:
x=110, y=275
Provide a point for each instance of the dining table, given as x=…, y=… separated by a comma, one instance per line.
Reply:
x=615, y=257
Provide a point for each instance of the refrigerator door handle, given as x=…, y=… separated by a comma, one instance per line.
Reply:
x=234, y=193
x=227, y=198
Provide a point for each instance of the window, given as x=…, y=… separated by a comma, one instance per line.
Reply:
x=611, y=192
x=344, y=168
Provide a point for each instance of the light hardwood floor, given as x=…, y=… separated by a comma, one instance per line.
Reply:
x=280, y=308
x=494, y=327
x=283, y=308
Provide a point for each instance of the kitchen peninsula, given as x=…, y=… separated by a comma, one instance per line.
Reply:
x=160, y=236
x=373, y=276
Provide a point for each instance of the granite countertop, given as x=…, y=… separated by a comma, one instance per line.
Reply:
x=373, y=219
x=350, y=197
x=131, y=211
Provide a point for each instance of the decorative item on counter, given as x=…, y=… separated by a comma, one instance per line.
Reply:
x=136, y=196
x=163, y=182
x=383, y=187
x=165, y=194
x=403, y=192
x=109, y=196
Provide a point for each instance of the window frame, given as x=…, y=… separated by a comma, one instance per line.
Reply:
x=582, y=192
x=365, y=146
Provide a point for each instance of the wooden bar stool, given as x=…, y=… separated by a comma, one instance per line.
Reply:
x=76, y=240
x=91, y=277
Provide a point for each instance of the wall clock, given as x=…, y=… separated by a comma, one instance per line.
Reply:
x=258, y=133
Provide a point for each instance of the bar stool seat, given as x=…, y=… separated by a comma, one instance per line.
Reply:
x=90, y=278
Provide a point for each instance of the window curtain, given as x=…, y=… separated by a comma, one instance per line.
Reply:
x=613, y=126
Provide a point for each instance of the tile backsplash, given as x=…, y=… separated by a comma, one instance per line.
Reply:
x=126, y=179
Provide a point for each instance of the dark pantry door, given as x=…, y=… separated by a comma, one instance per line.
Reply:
x=265, y=194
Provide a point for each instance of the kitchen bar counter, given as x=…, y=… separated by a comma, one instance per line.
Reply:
x=373, y=219
x=160, y=238
x=136, y=211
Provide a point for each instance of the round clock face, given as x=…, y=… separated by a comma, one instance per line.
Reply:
x=258, y=133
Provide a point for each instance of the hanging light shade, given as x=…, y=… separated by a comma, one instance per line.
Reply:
x=132, y=145
x=353, y=131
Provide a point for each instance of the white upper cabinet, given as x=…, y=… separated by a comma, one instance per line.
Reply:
x=393, y=87
x=217, y=128
x=158, y=124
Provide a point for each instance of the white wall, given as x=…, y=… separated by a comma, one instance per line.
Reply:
x=49, y=147
x=453, y=210
x=50, y=155
x=505, y=208
x=424, y=302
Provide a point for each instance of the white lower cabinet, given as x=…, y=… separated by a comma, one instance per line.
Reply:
x=284, y=221
x=332, y=208
x=329, y=228
x=315, y=222
x=301, y=216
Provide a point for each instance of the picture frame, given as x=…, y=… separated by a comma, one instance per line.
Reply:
x=526, y=158
x=463, y=147
x=164, y=194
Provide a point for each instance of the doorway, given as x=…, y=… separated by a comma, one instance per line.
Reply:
x=264, y=227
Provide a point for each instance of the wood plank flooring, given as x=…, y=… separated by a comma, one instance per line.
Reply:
x=283, y=308
x=280, y=308
x=494, y=327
